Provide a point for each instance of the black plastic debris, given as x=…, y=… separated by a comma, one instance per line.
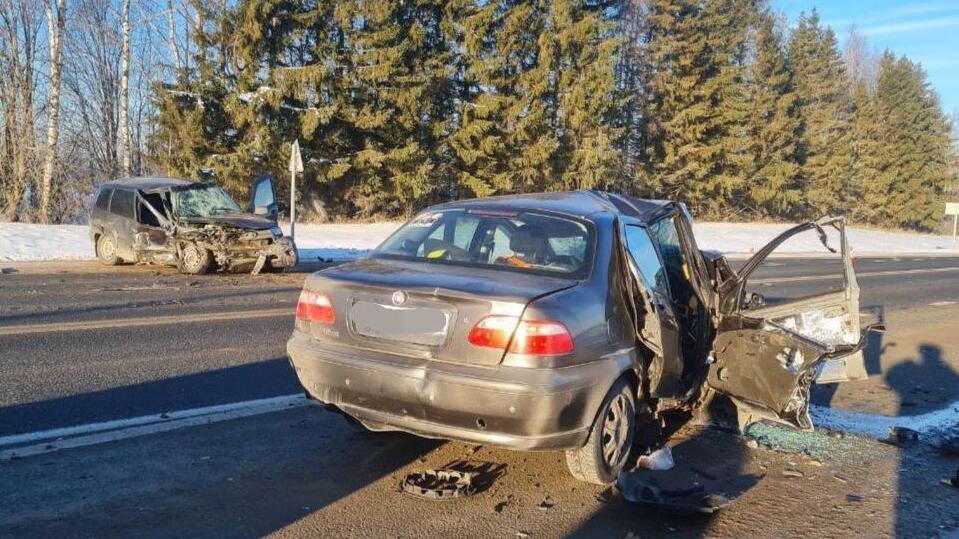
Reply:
x=442, y=484
x=900, y=436
x=643, y=489
x=455, y=480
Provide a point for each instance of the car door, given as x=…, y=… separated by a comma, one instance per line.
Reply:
x=263, y=198
x=123, y=222
x=766, y=356
x=655, y=320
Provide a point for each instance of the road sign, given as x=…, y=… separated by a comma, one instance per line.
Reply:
x=296, y=160
x=952, y=208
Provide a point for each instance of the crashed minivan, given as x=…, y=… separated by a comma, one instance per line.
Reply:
x=194, y=226
x=558, y=321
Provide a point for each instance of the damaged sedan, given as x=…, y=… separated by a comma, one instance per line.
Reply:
x=565, y=321
x=194, y=226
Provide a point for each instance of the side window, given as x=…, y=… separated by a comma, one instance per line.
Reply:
x=122, y=203
x=667, y=239
x=644, y=254
x=501, y=239
x=464, y=231
x=103, y=199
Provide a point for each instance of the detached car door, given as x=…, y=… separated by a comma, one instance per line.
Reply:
x=768, y=353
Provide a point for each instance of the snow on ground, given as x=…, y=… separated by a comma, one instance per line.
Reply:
x=23, y=242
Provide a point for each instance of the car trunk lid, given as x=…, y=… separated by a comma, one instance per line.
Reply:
x=422, y=309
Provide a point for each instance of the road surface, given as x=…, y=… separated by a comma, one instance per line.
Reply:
x=81, y=345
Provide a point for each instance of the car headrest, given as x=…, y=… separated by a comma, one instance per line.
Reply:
x=530, y=240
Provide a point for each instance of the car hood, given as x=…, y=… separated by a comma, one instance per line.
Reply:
x=237, y=220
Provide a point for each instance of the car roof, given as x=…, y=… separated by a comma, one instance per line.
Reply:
x=146, y=183
x=574, y=203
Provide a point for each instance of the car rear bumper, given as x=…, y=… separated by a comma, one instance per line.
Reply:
x=517, y=408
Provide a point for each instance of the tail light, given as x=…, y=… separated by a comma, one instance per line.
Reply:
x=534, y=337
x=315, y=307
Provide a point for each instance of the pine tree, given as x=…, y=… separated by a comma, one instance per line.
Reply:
x=775, y=126
x=827, y=146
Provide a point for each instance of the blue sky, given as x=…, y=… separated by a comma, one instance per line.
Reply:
x=925, y=31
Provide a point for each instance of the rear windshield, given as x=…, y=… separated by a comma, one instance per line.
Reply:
x=520, y=241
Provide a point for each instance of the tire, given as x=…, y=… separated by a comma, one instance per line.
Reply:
x=610, y=440
x=106, y=248
x=195, y=260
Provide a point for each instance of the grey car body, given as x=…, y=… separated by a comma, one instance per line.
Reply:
x=138, y=220
x=671, y=338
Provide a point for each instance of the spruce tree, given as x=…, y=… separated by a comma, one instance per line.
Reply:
x=696, y=106
x=827, y=144
x=909, y=147
x=775, y=126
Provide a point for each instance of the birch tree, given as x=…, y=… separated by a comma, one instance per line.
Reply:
x=56, y=22
x=125, y=92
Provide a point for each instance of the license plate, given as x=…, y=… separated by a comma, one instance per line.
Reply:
x=410, y=324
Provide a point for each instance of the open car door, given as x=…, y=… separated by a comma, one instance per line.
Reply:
x=766, y=356
x=263, y=198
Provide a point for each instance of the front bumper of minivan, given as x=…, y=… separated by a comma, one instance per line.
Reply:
x=517, y=408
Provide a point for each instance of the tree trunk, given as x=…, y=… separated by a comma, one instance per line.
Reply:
x=55, y=29
x=125, y=92
x=173, y=46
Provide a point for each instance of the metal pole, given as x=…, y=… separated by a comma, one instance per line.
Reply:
x=293, y=204
x=955, y=225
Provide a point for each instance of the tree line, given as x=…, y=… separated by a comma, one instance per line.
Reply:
x=398, y=105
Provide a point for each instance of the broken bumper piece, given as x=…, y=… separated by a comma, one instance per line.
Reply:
x=508, y=407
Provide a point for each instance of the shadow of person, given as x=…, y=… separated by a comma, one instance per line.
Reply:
x=926, y=385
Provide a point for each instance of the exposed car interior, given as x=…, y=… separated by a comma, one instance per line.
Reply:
x=521, y=240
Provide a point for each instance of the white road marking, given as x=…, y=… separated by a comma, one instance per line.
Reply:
x=35, y=443
x=858, y=274
x=941, y=303
x=52, y=327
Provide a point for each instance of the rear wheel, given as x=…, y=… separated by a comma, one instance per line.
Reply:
x=195, y=260
x=607, y=449
x=107, y=250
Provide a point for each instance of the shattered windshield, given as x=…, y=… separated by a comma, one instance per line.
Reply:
x=515, y=240
x=204, y=201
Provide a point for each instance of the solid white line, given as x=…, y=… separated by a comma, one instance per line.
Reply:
x=119, y=429
x=941, y=303
x=144, y=321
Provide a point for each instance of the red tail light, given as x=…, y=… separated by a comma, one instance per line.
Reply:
x=315, y=307
x=534, y=337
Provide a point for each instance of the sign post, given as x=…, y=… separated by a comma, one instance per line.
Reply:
x=296, y=166
x=952, y=208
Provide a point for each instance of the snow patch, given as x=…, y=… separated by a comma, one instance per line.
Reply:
x=23, y=242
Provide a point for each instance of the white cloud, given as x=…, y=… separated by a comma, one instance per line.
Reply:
x=911, y=26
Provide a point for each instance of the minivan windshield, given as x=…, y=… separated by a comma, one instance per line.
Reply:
x=205, y=200
x=515, y=240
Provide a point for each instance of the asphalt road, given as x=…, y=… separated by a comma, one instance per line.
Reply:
x=80, y=343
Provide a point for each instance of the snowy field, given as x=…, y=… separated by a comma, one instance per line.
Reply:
x=27, y=242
